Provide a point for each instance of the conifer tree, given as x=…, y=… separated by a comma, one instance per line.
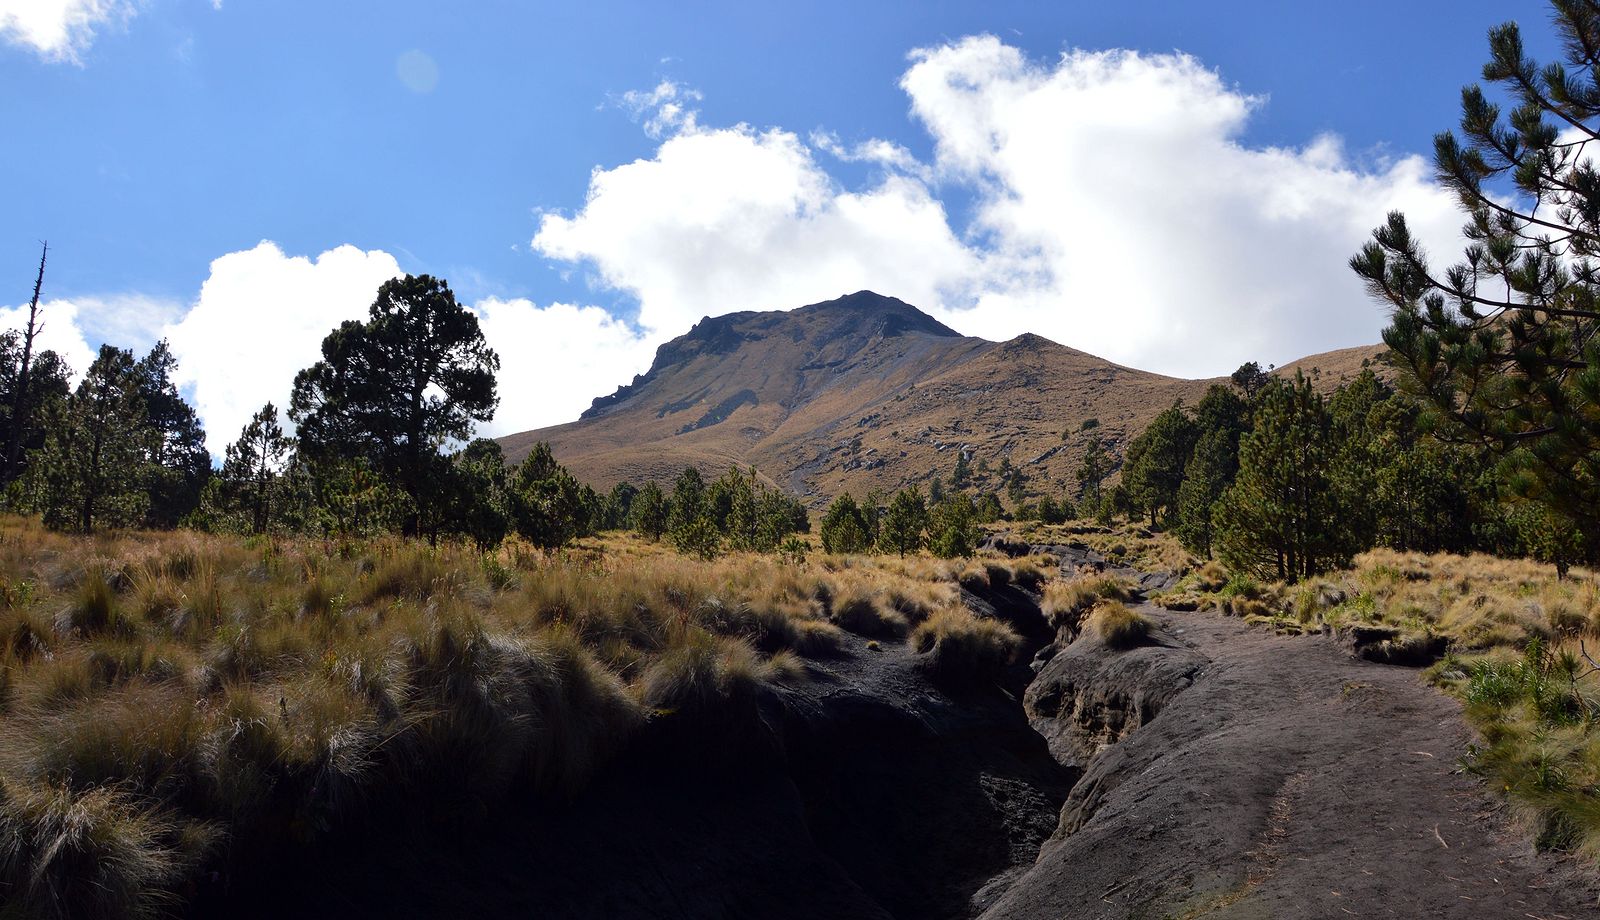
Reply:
x=962, y=474
x=1280, y=518
x=904, y=522
x=953, y=528
x=1503, y=344
x=482, y=507
x=546, y=504
x=253, y=469
x=1207, y=475
x=844, y=528
x=648, y=512
x=1156, y=461
x=1091, y=474
x=180, y=465
x=93, y=470
x=394, y=390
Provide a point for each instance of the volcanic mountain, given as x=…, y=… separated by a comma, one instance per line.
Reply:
x=867, y=391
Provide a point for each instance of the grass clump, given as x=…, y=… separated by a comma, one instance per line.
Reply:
x=1118, y=625
x=92, y=854
x=857, y=610
x=178, y=689
x=1067, y=602
x=957, y=647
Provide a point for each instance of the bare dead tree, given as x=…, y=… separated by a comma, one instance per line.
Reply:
x=19, y=398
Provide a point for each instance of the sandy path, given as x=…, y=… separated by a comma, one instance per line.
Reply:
x=1291, y=780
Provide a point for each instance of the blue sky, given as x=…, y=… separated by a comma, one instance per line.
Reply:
x=489, y=142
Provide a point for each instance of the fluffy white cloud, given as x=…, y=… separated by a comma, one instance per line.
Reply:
x=1116, y=209
x=59, y=30
x=739, y=219
x=1158, y=238
x=261, y=317
x=555, y=360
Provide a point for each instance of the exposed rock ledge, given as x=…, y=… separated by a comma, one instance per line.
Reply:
x=1226, y=771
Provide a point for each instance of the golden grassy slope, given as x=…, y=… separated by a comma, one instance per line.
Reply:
x=168, y=699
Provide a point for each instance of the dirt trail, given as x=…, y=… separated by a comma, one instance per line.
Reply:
x=1287, y=780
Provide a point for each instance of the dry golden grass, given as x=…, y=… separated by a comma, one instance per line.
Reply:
x=958, y=647
x=1130, y=544
x=1067, y=602
x=159, y=692
x=1118, y=625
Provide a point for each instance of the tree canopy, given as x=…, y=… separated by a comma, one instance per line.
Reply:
x=1502, y=344
x=396, y=389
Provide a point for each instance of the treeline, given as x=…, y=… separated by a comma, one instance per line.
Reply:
x=906, y=523
x=1281, y=482
x=370, y=452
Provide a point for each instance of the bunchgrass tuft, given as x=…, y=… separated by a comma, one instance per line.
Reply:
x=956, y=646
x=1118, y=625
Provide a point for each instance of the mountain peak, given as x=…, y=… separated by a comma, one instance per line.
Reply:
x=879, y=314
x=821, y=334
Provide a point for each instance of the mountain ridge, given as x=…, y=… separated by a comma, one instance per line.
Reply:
x=866, y=391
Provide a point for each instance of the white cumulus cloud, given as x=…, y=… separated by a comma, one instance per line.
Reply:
x=742, y=219
x=555, y=360
x=61, y=331
x=1115, y=208
x=260, y=318
x=59, y=30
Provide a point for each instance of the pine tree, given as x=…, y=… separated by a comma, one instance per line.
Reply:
x=904, y=522
x=1156, y=461
x=1208, y=474
x=546, y=504
x=1281, y=518
x=1503, y=344
x=844, y=528
x=393, y=390
x=953, y=528
x=253, y=469
x=93, y=470
x=482, y=507
x=962, y=474
x=619, y=505
x=180, y=465
x=648, y=513
x=1091, y=473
